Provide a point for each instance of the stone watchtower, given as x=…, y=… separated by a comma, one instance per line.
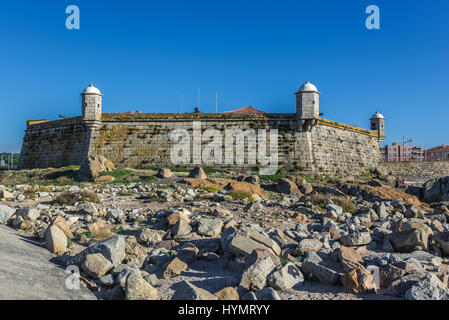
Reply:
x=378, y=123
x=92, y=103
x=307, y=106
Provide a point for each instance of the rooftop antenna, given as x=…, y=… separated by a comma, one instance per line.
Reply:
x=199, y=92
x=216, y=101
x=403, y=145
x=182, y=102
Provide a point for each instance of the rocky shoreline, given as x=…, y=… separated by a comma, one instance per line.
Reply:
x=241, y=237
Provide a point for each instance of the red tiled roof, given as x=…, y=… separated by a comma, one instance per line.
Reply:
x=246, y=110
x=440, y=148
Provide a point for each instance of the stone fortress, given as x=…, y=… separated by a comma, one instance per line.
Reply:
x=307, y=143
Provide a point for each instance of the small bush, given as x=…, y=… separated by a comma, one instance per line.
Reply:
x=210, y=188
x=346, y=204
x=320, y=200
x=70, y=198
x=239, y=195
x=273, y=177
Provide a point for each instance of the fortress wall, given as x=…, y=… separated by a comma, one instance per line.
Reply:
x=418, y=172
x=332, y=148
x=143, y=140
x=53, y=143
x=343, y=150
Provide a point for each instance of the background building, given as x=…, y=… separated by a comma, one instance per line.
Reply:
x=400, y=152
x=440, y=153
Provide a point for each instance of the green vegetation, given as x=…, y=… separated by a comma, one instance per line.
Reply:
x=239, y=195
x=210, y=188
x=206, y=170
x=165, y=187
x=125, y=176
x=273, y=177
x=284, y=261
x=320, y=200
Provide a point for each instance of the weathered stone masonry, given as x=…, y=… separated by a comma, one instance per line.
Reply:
x=310, y=145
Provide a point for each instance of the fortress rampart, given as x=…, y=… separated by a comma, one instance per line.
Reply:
x=306, y=143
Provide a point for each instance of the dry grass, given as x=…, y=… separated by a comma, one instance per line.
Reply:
x=239, y=195
x=70, y=198
x=320, y=200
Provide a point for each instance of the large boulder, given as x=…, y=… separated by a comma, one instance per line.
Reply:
x=349, y=258
x=436, y=190
x=6, y=213
x=255, y=276
x=359, y=280
x=356, y=239
x=286, y=277
x=164, y=173
x=187, y=291
x=92, y=166
x=210, y=227
x=112, y=249
x=245, y=240
x=55, y=240
x=428, y=288
x=96, y=265
x=197, y=173
x=287, y=186
x=406, y=241
x=137, y=288
x=245, y=188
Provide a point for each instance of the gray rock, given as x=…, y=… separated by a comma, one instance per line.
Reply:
x=321, y=273
x=115, y=213
x=436, y=190
x=6, y=195
x=197, y=173
x=55, y=240
x=411, y=211
x=309, y=245
x=267, y=294
x=96, y=265
x=356, y=239
x=255, y=276
x=255, y=206
x=399, y=287
x=139, y=289
x=149, y=236
x=164, y=173
x=428, y=288
x=107, y=280
x=334, y=207
x=222, y=213
x=187, y=291
x=6, y=213
x=406, y=241
x=285, y=278
x=88, y=208
x=210, y=227
x=29, y=213
x=250, y=296
x=382, y=211
x=112, y=249
x=181, y=228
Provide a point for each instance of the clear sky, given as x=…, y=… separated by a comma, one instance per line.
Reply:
x=143, y=54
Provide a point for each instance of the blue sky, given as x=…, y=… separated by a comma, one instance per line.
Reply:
x=143, y=54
